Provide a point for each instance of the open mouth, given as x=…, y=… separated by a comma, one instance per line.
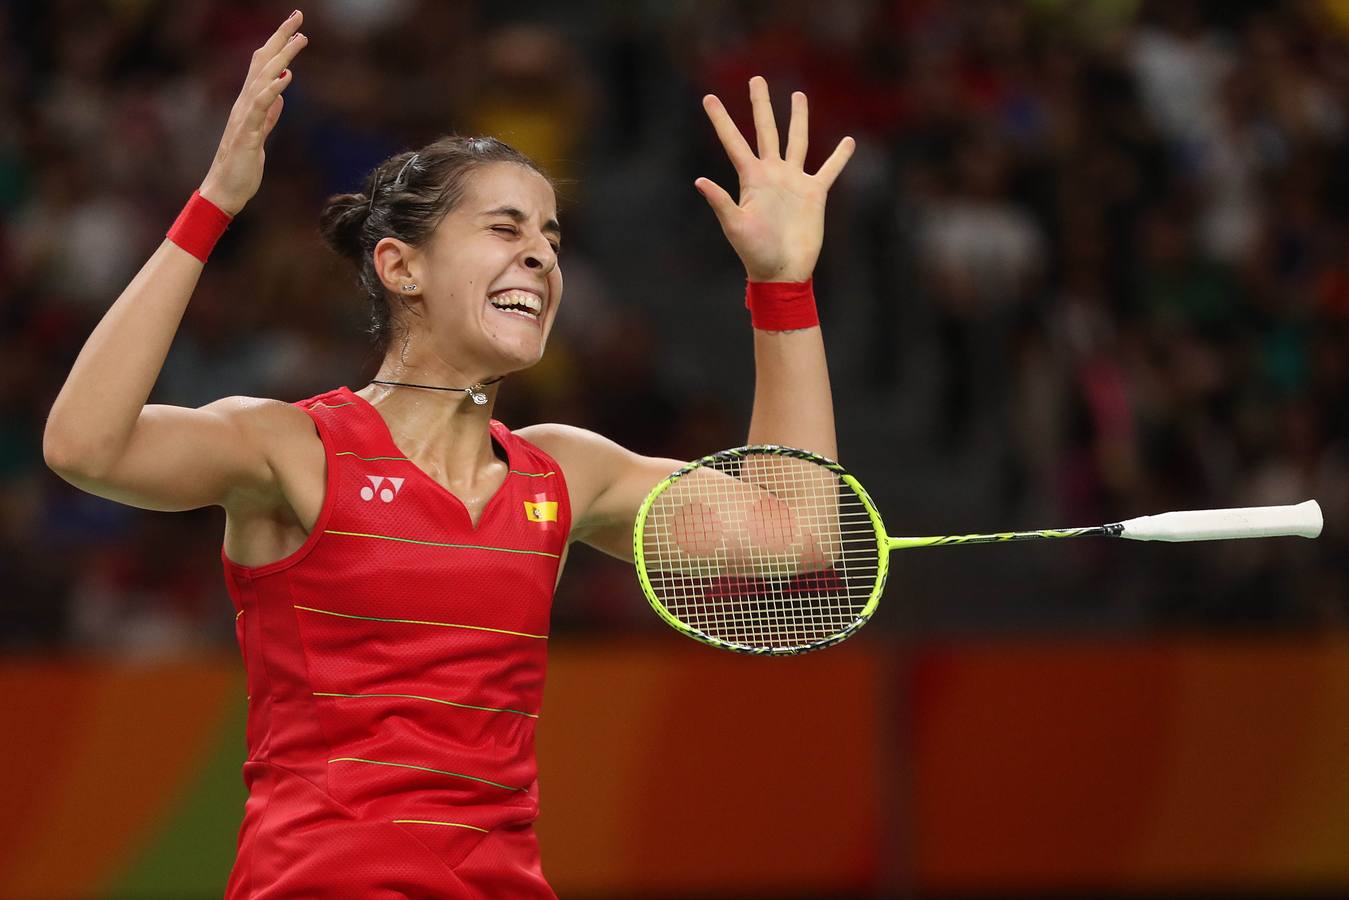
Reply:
x=517, y=302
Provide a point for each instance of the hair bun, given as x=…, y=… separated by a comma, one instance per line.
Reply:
x=342, y=224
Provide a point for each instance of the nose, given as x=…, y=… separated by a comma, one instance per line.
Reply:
x=541, y=259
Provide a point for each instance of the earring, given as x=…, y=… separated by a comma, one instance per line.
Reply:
x=409, y=287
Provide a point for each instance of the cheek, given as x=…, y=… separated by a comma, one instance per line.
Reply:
x=468, y=266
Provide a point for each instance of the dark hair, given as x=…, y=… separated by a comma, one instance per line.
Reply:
x=412, y=191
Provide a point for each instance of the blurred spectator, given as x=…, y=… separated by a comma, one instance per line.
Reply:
x=1090, y=262
x=981, y=256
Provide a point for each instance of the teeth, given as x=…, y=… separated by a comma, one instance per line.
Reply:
x=526, y=299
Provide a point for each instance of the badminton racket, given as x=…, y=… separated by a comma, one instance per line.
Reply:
x=777, y=551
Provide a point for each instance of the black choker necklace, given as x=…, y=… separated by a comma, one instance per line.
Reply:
x=473, y=390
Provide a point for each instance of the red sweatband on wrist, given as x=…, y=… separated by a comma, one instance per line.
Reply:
x=199, y=226
x=781, y=305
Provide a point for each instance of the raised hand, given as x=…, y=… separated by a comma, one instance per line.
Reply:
x=778, y=225
x=236, y=171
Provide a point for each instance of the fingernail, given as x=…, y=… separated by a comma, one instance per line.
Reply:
x=293, y=14
x=284, y=73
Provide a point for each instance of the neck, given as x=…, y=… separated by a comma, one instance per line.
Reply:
x=475, y=392
x=432, y=426
x=441, y=378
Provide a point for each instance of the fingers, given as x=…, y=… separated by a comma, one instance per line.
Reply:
x=274, y=43
x=717, y=198
x=766, y=130
x=278, y=76
x=729, y=135
x=261, y=108
x=283, y=58
x=798, y=131
x=268, y=76
x=836, y=161
x=764, y=126
x=273, y=116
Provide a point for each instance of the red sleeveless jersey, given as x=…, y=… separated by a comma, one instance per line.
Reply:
x=395, y=669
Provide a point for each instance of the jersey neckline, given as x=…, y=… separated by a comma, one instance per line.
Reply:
x=496, y=431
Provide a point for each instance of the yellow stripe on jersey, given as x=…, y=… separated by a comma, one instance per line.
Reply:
x=502, y=709
x=329, y=612
x=388, y=537
x=428, y=822
x=378, y=762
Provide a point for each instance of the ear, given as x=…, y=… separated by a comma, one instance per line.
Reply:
x=397, y=263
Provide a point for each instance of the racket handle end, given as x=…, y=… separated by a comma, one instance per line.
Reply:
x=1298, y=520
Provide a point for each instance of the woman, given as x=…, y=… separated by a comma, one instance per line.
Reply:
x=392, y=552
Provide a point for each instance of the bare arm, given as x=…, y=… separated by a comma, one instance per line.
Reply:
x=101, y=436
x=793, y=405
x=607, y=484
x=777, y=229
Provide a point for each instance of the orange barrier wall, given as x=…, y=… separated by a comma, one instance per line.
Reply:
x=666, y=766
x=684, y=769
x=671, y=768
x=1132, y=766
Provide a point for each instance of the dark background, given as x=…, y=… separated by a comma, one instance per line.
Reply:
x=1088, y=263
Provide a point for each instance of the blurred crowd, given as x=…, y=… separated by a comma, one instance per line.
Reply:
x=1089, y=262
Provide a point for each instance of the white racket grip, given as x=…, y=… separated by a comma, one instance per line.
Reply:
x=1302, y=519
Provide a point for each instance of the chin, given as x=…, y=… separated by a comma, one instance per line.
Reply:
x=512, y=349
x=518, y=358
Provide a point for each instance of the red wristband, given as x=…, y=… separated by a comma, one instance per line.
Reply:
x=781, y=305
x=199, y=226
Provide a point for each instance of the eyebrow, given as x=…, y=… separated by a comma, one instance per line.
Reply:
x=519, y=217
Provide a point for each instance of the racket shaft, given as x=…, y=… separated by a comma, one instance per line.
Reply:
x=1002, y=537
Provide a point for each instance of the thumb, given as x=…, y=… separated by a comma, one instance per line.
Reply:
x=718, y=199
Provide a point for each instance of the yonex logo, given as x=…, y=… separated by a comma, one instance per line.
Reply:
x=387, y=493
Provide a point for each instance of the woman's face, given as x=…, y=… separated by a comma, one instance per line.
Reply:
x=490, y=281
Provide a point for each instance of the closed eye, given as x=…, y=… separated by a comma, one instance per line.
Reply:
x=513, y=231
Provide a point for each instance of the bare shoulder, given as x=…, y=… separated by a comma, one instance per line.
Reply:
x=269, y=517
x=281, y=433
x=272, y=426
x=583, y=455
x=566, y=440
x=606, y=481
x=261, y=417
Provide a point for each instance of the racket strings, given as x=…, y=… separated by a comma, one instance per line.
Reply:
x=762, y=551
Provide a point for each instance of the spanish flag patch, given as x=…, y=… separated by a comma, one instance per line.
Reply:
x=541, y=510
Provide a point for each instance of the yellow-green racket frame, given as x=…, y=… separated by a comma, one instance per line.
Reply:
x=882, y=550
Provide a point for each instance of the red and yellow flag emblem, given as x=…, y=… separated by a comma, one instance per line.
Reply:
x=541, y=510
